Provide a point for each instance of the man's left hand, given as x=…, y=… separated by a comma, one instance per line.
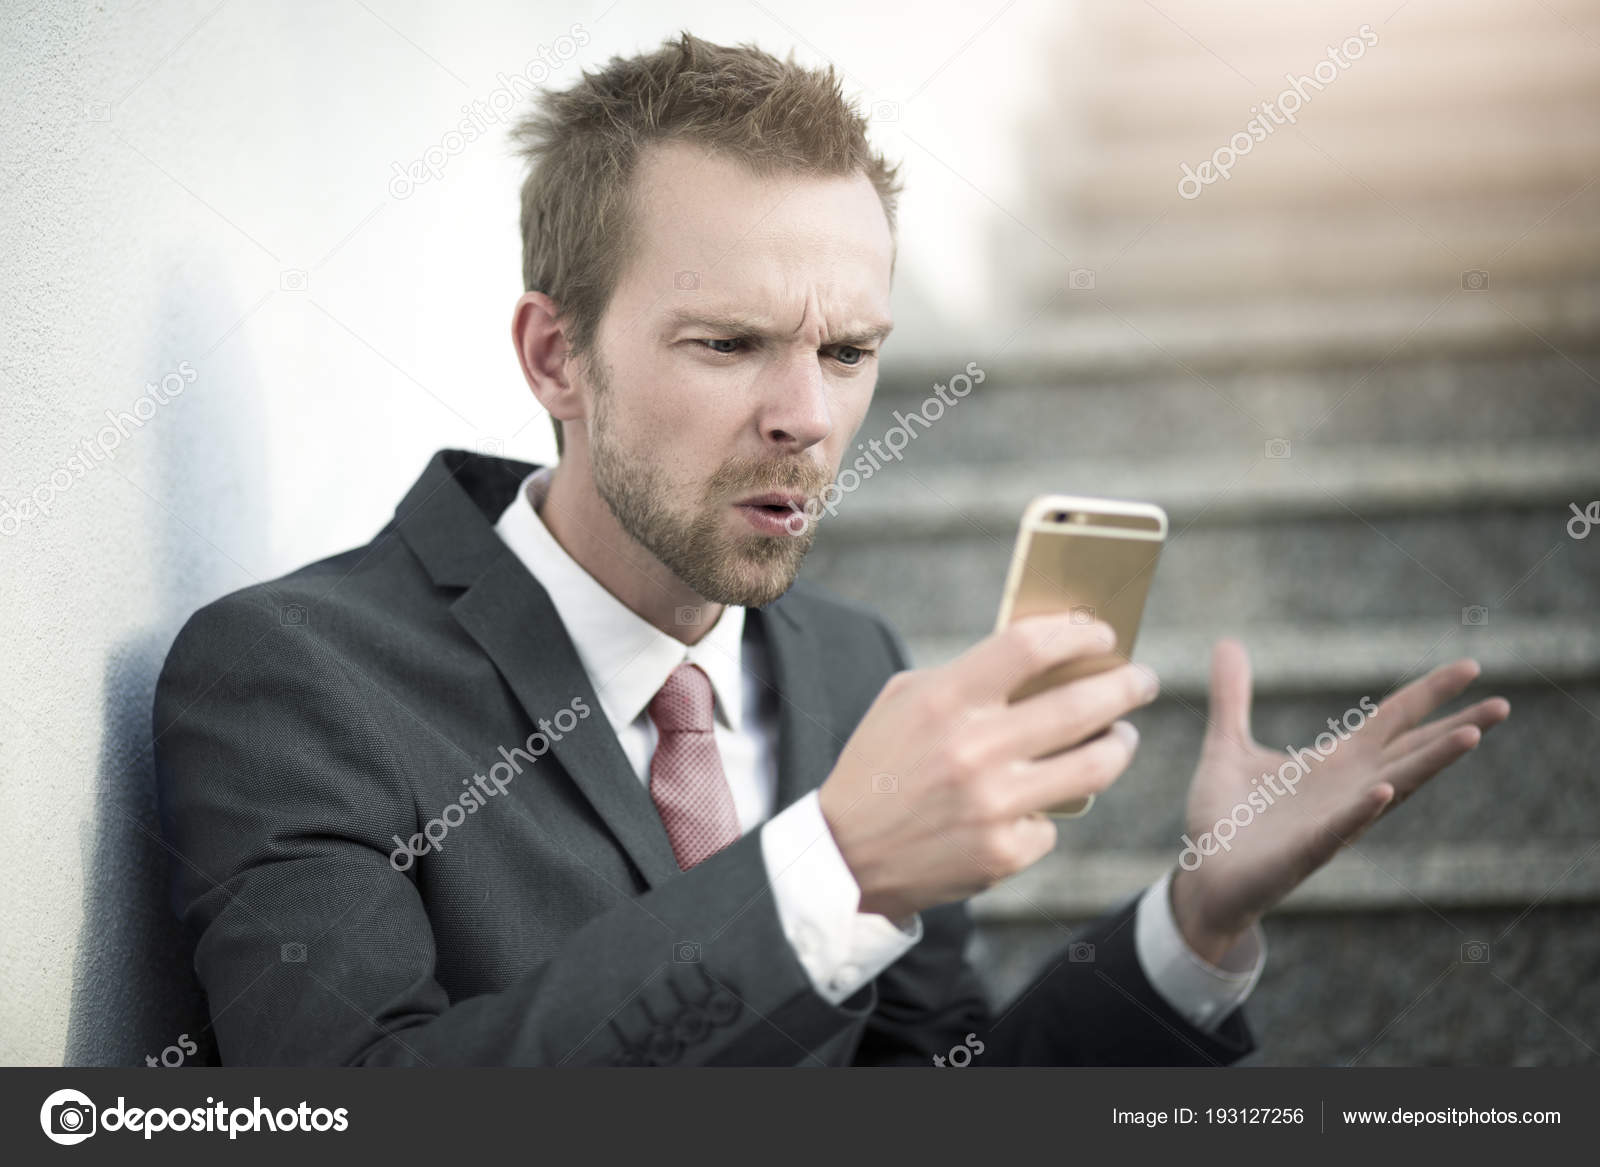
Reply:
x=1290, y=833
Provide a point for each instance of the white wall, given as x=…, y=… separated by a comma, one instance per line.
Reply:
x=162, y=166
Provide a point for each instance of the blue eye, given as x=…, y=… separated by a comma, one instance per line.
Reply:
x=723, y=346
x=848, y=354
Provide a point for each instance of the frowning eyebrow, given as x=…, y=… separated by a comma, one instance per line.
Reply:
x=733, y=324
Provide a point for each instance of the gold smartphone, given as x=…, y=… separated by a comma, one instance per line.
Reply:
x=1093, y=557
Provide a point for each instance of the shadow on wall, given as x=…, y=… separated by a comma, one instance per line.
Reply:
x=134, y=993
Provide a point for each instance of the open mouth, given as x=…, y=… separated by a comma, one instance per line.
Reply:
x=778, y=503
x=776, y=513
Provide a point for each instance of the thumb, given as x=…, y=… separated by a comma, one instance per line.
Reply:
x=1230, y=692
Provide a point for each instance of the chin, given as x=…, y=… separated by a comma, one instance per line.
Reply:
x=757, y=581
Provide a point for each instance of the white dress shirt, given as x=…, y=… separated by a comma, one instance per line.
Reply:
x=628, y=659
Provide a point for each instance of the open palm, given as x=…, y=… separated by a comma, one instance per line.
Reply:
x=1260, y=820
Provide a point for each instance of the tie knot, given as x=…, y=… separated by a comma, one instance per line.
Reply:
x=684, y=702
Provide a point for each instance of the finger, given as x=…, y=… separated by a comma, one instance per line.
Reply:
x=1405, y=708
x=1485, y=715
x=1352, y=821
x=1072, y=774
x=1230, y=692
x=1068, y=714
x=1342, y=828
x=1034, y=837
x=1020, y=843
x=1408, y=773
x=995, y=667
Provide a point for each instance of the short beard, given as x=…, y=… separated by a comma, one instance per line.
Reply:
x=744, y=570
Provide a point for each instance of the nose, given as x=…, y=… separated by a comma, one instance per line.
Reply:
x=796, y=412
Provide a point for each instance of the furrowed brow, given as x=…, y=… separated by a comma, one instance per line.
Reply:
x=864, y=335
x=733, y=324
x=718, y=323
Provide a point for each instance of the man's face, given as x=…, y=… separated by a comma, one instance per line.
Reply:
x=734, y=363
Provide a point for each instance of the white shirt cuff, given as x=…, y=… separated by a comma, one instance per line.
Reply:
x=1199, y=990
x=840, y=948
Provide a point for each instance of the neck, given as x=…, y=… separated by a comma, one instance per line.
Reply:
x=578, y=518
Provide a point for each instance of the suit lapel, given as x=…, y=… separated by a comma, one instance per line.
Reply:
x=807, y=741
x=447, y=519
x=511, y=617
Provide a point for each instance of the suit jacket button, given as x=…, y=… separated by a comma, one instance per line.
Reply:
x=692, y=1025
x=722, y=1006
x=662, y=1049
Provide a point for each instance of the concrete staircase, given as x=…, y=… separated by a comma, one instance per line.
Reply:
x=1443, y=484
x=1369, y=461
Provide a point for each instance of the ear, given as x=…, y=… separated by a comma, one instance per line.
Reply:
x=540, y=339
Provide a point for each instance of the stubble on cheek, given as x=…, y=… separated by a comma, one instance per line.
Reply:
x=697, y=540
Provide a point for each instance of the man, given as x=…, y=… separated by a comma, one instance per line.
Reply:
x=563, y=768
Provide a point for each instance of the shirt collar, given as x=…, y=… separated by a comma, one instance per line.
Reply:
x=627, y=658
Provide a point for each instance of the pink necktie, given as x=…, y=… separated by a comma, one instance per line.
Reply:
x=686, y=780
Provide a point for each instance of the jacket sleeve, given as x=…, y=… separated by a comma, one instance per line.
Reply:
x=280, y=798
x=1091, y=1005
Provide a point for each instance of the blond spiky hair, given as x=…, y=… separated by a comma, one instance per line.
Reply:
x=583, y=145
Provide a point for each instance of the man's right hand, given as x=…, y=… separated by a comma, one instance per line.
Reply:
x=934, y=796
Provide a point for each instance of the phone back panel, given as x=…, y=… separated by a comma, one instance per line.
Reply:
x=1098, y=565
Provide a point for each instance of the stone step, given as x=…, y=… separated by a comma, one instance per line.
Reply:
x=926, y=495
x=1134, y=70
x=1379, y=251
x=1172, y=101
x=1067, y=336
x=1532, y=779
x=1389, y=987
x=1484, y=874
x=1365, y=655
x=1248, y=25
x=1330, y=162
x=1335, y=557
x=1102, y=229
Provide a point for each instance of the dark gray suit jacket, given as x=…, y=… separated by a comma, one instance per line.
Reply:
x=302, y=725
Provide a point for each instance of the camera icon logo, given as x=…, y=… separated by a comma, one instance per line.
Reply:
x=1080, y=952
x=687, y=615
x=686, y=281
x=1082, y=614
x=1081, y=279
x=293, y=615
x=1277, y=449
x=1475, y=615
x=1475, y=281
x=293, y=279
x=1475, y=952
x=294, y=952
x=686, y=952
x=885, y=784
x=67, y=1117
x=886, y=111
